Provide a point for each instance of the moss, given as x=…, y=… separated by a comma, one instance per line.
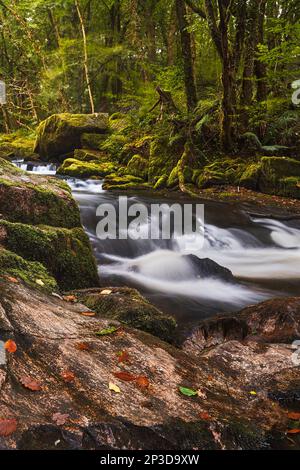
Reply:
x=114, y=144
x=140, y=146
x=163, y=156
x=250, y=143
x=15, y=266
x=138, y=166
x=92, y=141
x=61, y=133
x=274, y=170
x=118, y=122
x=65, y=253
x=96, y=156
x=227, y=171
x=129, y=307
x=161, y=182
x=79, y=169
x=289, y=187
x=250, y=176
x=17, y=145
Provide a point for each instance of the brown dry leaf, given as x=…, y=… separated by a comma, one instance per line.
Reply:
x=60, y=419
x=123, y=356
x=7, y=426
x=10, y=346
x=142, y=382
x=88, y=314
x=30, y=383
x=293, y=431
x=83, y=347
x=68, y=376
x=294, y=416
x=125, y=376
x=70, y=298
x=106, y=292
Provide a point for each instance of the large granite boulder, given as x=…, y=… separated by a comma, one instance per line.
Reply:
x=61, y=134
x=79, y=381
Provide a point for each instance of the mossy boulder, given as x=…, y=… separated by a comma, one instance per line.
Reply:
x=92, y=141
x=250, y=177
x=65, y=253
x=129, y=307
x=61, y=134
x=17, y=146
x=34, y=199
x=87, y=155
x=79, y=169
x=138, y=166
x=32, y=273
x=123, y=182
x=276, y=173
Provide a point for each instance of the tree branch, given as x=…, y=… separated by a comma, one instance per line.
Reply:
x=196, y=9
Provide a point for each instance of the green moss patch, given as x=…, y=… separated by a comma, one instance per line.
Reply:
x=83, y=169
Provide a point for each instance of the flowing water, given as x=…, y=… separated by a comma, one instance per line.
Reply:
x=262, y=253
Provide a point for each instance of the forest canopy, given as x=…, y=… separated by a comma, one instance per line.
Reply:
x=81, y=56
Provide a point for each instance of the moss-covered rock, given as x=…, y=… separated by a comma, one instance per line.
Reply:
x=114, y=145
x=32, y=273
x=61, y=133
x=117, y=182
x=227, y=171
x=92, y=141
x=83, y=169
x=129, y=307
x=65, y=253
x=86, y=155
x=250, y=177
x=289, y=187
x=17, y=145
x=36, y=200
x=274, y=171
x=138, y=166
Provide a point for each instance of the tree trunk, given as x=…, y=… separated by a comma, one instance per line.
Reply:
x=186, y=49
x=85, y=64
x=260, y=67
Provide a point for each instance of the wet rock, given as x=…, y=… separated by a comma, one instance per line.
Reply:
x=61, y=133
x=83, y=169
x=207, y=268
x=48, y=331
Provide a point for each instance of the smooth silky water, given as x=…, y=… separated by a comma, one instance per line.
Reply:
x=262, y=253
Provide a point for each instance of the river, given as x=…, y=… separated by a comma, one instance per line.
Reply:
x=263, y=255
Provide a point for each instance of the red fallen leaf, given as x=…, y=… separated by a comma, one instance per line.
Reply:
x=83, y=346
x=293, y=431
x=68, y=376
x=123, y=356
x=60, y=419
x=30, y=383
x=7, y=426
x=69, y=298
x=294, y=416
x=88, y=314
x=125, y=376
x=142, y=382
x=205, y=416
x=12, y=279
x=10, y=346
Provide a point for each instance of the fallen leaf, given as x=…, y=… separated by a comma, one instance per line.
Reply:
x=142, y=382
x=10, y=346
x=107, y=331
x=88, y=314
x=30, y=383
x=39, y=282
x=294, y=416
x=114, y=387
x=12, y=279
x=60, y=419
x=70, y=298
x=83, y=346
x=188, y=392
x=293, y=431
x=125, y=376
x=253, y=393
x=68, y=376
x=106, y=292
x=123, y=356
x=7, y=427
x=205, y=416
